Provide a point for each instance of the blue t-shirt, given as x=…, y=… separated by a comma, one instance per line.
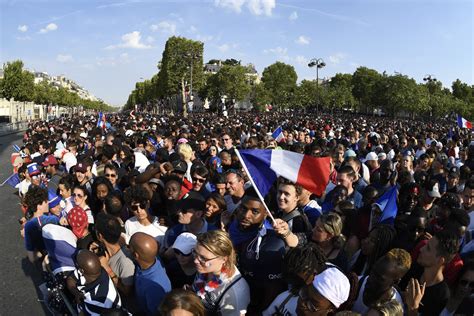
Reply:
x=151, y=286
x=33, y=236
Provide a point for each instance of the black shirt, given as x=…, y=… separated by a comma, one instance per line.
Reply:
x=435, y=299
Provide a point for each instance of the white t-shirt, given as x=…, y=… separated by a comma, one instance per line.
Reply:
x=360, y=307
x=154, y=229
x=288, y=309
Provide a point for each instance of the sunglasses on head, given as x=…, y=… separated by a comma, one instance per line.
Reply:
x=135, y=207
x=179, y=252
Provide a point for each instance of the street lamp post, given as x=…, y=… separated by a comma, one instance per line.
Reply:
x=429, y=79
x=193, y=56
x=318, y=63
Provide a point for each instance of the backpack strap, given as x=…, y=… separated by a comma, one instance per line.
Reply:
x=218, y=302
x=282, y=305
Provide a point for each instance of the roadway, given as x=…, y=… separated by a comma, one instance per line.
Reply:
x=18, y=290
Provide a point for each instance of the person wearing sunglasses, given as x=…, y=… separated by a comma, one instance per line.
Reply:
x=80, y=197
x=461, y=301
x=218, y=282
x=228, y=143
x=182, y=271
x=191, y=219
x=142, y=220
x=200, y=175
x=111, y=173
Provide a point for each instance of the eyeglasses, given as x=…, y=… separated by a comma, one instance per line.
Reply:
x=200, y=258
x=77, y=195
x=180, y=253
x=225, y=139
x=135, y=207
x=198, y=180
x=110, y=175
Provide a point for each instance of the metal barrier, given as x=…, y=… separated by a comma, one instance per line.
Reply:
x=7, y=128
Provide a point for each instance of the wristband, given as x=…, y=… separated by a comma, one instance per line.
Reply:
x=287, y=234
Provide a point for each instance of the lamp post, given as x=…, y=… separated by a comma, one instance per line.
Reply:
x=318, y=63
x=429, y=79
x=192, y=56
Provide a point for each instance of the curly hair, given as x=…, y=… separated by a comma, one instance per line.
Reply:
x=34, y=197
x=401, y=257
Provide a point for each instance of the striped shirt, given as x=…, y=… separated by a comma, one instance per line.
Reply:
x=99, y=295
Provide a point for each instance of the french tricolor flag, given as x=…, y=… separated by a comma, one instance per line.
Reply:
x=463, y=123
x=265, y=165
x=278, y=134
x=60, y=243
x=101, y=120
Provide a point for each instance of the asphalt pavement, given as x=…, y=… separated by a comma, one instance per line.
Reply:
x=19, y=293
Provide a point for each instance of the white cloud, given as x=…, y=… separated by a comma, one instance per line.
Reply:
x=259, y=7
x=293, y=16
x=192, y=29
x=301, y=60
x=278, y=51
x=23, y=38
x=23, y=28
x=223, y=48
x=150, y=39
x=50, y=27
x=64, y=58
x=256, y=7
x=130, y=40
x=302, y=40
x=164, y=27
x=337, y=58
x=204, y=38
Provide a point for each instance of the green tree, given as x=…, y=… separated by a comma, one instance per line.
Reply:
x=230, y=81
x=279, y=79
x=462, y=91
x=340, y=91
x=305, y=93
x=178, y=57
x=260, y=97
x=17, y=83
x=363, y=83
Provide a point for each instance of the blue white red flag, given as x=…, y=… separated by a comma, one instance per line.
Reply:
x=101, y=121
x=265, y=165
x=278, y=134
x=61, y=244
x=16, y=148
x=463, y=123
x=388, y=205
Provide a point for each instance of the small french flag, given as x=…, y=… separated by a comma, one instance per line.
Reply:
x=278, y=134
x=101, y=120
x=463, y=123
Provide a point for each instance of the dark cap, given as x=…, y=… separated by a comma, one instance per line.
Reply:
x=81, y=167
x=180, y=166
x=192, y=204
x=454, y=172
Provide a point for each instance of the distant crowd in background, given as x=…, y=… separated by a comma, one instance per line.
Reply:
x=154, y=215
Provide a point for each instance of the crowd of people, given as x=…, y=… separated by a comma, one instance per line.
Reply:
x=155, y=215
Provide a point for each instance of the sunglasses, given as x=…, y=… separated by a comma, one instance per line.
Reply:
x=225, y=139
x=466, y=283
x=110, y=175
x=135, y=207
x=180, y=253
x=198, y=180
x=77, y=195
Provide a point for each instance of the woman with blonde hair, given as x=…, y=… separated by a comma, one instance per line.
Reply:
x=327, y=234
x=218, y=282
x=186, y=154
x=181, y=302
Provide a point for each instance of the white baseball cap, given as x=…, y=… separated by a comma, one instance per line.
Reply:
x=371, y=156
x=185, y=243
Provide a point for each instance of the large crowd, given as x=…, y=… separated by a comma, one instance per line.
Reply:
x=155, y=215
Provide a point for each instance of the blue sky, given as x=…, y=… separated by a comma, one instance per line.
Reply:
x=106, y=46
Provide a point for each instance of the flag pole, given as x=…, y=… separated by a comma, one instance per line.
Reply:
x=254, y=186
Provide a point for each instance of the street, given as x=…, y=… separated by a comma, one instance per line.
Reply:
x=18, y=291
